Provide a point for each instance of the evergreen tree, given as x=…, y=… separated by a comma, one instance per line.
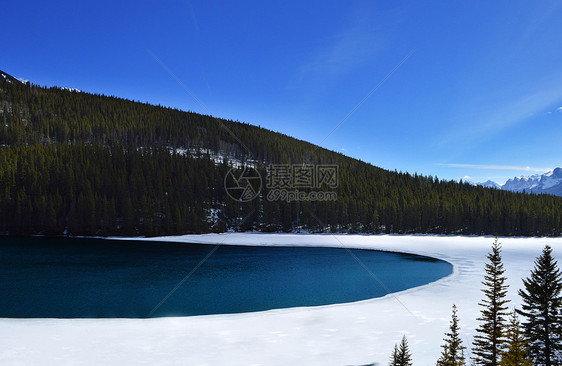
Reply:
x=541, y=310
x=489, y=339
x=516, y=352
x=401, y=355
x=395, y=358
x=453, y=349
x=116, y=167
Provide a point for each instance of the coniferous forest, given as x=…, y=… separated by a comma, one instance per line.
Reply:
x=74, y=163
x=503, y=338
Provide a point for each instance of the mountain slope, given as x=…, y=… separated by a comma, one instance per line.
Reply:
x=83, y=164
x=550, y=182
x=7, y=78
x=487, y=184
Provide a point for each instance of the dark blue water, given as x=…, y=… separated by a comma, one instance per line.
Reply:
x=78, y=278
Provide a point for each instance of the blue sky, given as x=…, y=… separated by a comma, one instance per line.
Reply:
x=479, y=96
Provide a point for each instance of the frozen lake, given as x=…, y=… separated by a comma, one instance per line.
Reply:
x=95, y=278
x=353, y=333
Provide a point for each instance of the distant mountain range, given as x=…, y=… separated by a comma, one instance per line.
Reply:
x=549, y=183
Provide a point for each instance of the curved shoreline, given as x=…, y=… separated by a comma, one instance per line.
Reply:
x=178, y=239
x=95, y=278
x=360, y=332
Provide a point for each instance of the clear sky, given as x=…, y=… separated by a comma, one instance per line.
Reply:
x=479, y=96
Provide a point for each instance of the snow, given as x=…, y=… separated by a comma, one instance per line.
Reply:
x=549, y=183
x=213, y=215
x=490, y=184
x=550, y=179
x=538, y=183
x=73, y=90
x=216, y=157
x=343, y=334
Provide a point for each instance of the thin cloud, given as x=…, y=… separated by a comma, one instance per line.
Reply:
x=361, y=39
x=489, y=120
x=494, y=167
x=349, y=50
x=193, y=18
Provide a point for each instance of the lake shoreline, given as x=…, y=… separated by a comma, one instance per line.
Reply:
x=352, y=333
x=96, y=278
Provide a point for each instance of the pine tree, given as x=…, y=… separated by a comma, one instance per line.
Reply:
x=63, y=142
x=405, y=355
x=490, y=334
x=394, y=358
x=453, y=349
x=516, y=352
x=541, y=310
x=401, y=355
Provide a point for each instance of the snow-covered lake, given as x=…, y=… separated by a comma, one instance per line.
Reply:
x=346, y=334
x=97, y=278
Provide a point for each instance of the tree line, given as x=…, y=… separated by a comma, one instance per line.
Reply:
x=83, y=164
x=501, y=338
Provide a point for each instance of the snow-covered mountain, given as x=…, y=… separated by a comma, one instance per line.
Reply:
x=490, y=184
x=549, y=182
x=487, y=184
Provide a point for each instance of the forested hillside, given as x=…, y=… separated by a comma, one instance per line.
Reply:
x=81, y=164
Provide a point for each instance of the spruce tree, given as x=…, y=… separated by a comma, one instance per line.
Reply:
x=394, y=358
x=401, y=355
x=489, y=339
x=541, y=310
x=516, y=352
x=453, y=349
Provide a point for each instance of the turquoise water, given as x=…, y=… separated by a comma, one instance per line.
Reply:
x=90, y=278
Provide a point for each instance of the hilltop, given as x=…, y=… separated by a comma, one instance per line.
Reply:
x=75, y=163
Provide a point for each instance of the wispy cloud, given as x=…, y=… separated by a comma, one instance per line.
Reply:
x=349, y=50
x=485, y=120
x=494, y=167
x=362, y=37
x=193, y=17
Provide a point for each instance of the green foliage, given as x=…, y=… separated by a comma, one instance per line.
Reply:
x=453, y=349
x=516, y=351
x=94, y=165
x=93, y=190
x=489, y=339
x=401, y=355
x=541, y=309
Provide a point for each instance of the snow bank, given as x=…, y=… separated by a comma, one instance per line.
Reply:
x=344, y=334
